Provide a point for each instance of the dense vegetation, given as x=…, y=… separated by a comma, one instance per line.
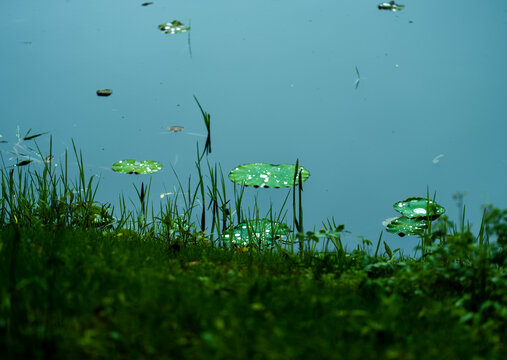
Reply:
x=78, y=282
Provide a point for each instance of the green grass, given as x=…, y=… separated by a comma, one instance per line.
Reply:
x=80, y=279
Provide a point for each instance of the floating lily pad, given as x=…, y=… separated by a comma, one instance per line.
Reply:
x=264, y=231
x=104, y=92
x=417, y=207
x=175, y=128
x=390, y=6
x=174, y=27
x=132, y=166
x=267, y=175
x=404, y=226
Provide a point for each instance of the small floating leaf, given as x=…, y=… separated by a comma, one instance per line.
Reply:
x=175, y=128
x=23, y=163
x=267, y=175
x=254, y=231
x=132, y=166
x=174, y=27
x=417, y=207
x=104, y=92
x=391, y=6
x=404, y=226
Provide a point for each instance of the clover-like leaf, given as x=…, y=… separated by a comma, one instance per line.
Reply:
x=132, y=166
x=267, y=175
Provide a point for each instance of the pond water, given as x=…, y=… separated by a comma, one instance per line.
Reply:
x=279, y=80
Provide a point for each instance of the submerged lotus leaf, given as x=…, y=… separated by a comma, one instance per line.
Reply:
x=264, y=231
x=419, y=207
x=267, y=175
x=174, y=27
x=404, y=226
x=132, y=166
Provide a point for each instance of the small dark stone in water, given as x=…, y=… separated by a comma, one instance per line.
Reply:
x=104, y=92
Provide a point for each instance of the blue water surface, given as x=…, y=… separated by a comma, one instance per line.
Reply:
x=279, y=80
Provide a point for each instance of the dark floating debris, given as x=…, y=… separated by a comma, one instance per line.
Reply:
x=147, y=3
x=175, y=128
x=104, y=92
x=23, y=163
x=391, y=6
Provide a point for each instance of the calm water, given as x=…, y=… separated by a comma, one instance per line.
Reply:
x=278, y=78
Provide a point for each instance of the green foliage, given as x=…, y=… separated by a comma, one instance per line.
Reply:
x=262, y=232
x=174, y=27
x=417, y=214
x=390, y=6
x=419, y=207
x=402, y=226
x=77, y=294
x=132, y=166
x=267, y=175
x=495, y=221
x=78, y=282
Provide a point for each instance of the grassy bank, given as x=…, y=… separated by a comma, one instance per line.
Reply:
x=81, y=280
x=81, y=294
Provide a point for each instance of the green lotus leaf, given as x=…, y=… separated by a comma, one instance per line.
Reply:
x=174, y=27
x=404, y=226
x=419, y=207
x=264, y=231
x=132, y=166
x=390, y=6
x=267, y=175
